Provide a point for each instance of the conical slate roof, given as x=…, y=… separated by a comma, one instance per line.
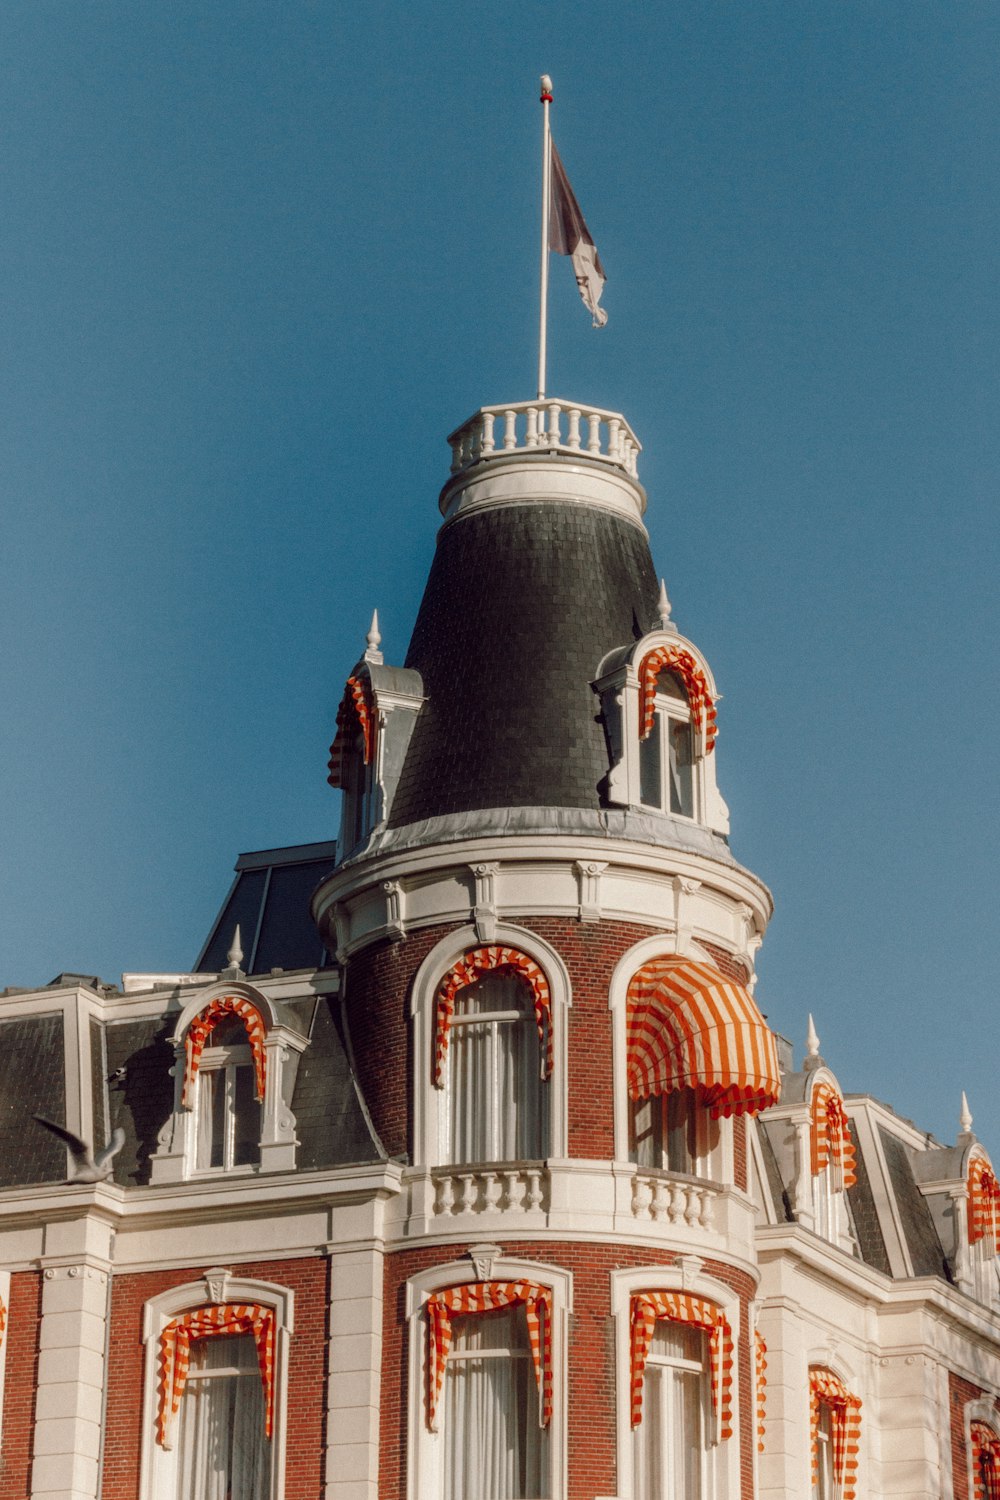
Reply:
x=522, y=603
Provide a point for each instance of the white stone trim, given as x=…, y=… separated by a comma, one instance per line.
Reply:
x=424, y=1447
x=157, y=1463
x=355, y=1374
x=687, y=1275
x=5, y=1299
x=428, y=1101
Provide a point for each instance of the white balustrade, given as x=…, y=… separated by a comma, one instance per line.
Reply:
x=671, y=1200
x=490, y=1189
x=539, y=425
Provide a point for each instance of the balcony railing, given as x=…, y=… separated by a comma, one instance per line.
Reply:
x=552, y=426
x=667, y=1199
x=498, y=1188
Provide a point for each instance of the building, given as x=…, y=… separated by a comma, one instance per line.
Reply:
x=464, y=1165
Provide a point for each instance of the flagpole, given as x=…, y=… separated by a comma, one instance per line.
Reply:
x=546, y=100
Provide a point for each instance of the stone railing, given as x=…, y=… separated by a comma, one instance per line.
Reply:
x=667, y=1199
x=552, y=426
x=498, y=1188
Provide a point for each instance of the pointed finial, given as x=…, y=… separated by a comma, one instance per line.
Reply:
x=235, y=954
x=663, y=608
x=812, y=1040
x=965, y=1118
x=374, y=640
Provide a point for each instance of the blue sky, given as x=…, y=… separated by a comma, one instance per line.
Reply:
x=258, y=260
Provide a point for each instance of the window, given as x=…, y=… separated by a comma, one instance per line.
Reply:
x=228, y=1113
x=495, y=1447
x=496, y=1101
x=985, y=1446
x=672, y=1131
x=223, y=1452
x=666, y=754
x=832, y=1164
x=835, y=1432
x=671, y=1449
x=823, y=1479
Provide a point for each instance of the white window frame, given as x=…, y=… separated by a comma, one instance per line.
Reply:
x=718, y=1163
x=722, y=1464
x=425, y=1449
x=668, y=710
x=850, y=1377
x=827, y=1212
x=226, y=1060
x=430, y=1103
x=157, y=1472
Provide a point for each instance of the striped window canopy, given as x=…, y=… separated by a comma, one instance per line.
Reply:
x=697, y=1312
x=219, y=1318
x=199, y=1033
x=983, y=1204
x=830, y=1143
x=356, y=711
x=826, y=1389
x=985, y=1462
x=688, y=1026
x=480, y=1297
x=760, y=1371
x=681, y=662
x=477, y=962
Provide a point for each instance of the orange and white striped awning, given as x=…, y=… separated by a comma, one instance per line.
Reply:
x=760, y=1370
x=485, y=1297
x=357, y=708
x=985, y=1462
x=826, y=1389
x=983, y=1203
x=499, y=960
x=830, y=1143
x=203, y=1025
x=680, y=1307
x=204, y=1322
x=691, y=1027
x=676, y=659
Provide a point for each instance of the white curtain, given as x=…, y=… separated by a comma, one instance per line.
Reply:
x=668, y=1452
x=494, y=1446
x=222, y=1450
x=497, y=1102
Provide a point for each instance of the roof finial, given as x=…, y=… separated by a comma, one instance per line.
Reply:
x=813, y=1059
x=235, y=954
x=663, y=608
x=965, y=1118
x=374, y=640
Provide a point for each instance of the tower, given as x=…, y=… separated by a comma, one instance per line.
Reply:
x=548, y=955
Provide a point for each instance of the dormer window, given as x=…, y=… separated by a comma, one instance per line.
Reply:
x=831, y=1162
x=227, y=1110
x=666, y=754
x=353, y=757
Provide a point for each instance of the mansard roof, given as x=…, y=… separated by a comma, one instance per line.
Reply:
x=269, y=902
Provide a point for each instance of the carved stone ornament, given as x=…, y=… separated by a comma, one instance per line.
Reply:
x=690, y=1270
x=483, y=1258
x=217, y=1283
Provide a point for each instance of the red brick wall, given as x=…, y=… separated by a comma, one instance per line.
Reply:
x=308, y=1278
x=592, y=1397
x=24, y=1316
x=960, y=1393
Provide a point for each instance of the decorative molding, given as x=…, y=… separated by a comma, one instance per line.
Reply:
x=690, y=1269
x=484, y=1257
x=217, y=1283
x=485, y=913
x=589, y=872
x=395, y=907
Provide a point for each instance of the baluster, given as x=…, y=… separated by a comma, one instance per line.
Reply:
x=446, y=1196
x=534, y=1177
x=614, y=439
x=509, y=430
x=488, y=445
x=531, y=436
x=661, y=1198
x=693, y=1206
x=455, y=444
x=554, y=415
x=467, y=1197
x=678, y=1199
x=573, y=435
x=491, y=1192
x=593, y=432
x=514, y=1199
x=707, y=1210
x=642, y=1196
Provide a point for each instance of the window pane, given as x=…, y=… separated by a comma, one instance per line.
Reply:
x=650, y=773
x=222, y=1450
x=670, y=686
x=494, y=1446
x=211, y=1117
x=669, y=1445
x=682, y=1130
x=823, y=1488
x=246, y=1125
x=681, y=778
x=498, y=1105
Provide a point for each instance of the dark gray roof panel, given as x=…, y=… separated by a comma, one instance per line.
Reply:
x=32, y=1081
x=774, y=1184
x=330, y=1122
x=269, y=900
x=521, y=605
x=922, y=1240
x=142, y=1099
x=865, y=1214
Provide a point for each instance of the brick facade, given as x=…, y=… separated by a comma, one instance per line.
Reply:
x=308, y=1278
x=24, y=1316
x=592, y=1398
x=960, y=1393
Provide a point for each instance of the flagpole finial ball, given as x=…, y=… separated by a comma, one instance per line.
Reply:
x=546, y=81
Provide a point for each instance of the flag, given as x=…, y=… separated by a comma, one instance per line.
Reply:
x=569, y=235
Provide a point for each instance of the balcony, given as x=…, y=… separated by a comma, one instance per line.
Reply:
x=549, y=426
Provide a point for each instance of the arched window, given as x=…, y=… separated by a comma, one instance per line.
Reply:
x=985, y=1462
x=983, y=1223
x=831, y=1159
x=835, y=1428
x=666, y=749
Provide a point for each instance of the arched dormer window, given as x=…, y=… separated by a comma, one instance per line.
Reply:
x=236, y=1059
x=659, y=707
x=831, y=1158
x=353, y=757
x=983, y=1225
x=835, y=1435
x=697, y=1049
